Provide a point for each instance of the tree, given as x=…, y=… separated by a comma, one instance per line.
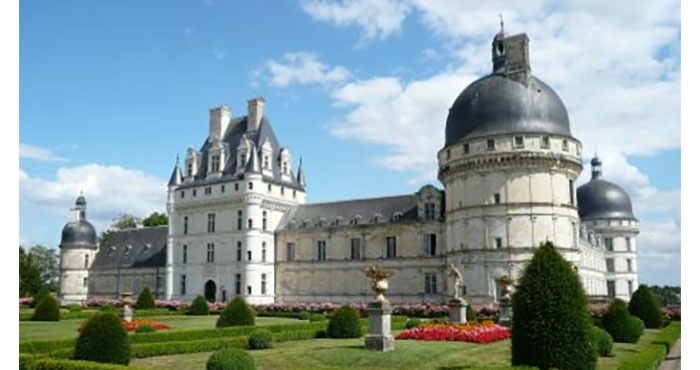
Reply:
x=667, y=295
x=645, y=306
x=29, y=275
x=46, y=260
x=551, y=324
x=125, y=221
x=155, y=219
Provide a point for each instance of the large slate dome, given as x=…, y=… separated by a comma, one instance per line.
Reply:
x=601, y=199
x=79, y=232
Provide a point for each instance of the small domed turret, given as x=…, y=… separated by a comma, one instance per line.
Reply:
x=601, y=199
x=79, y=233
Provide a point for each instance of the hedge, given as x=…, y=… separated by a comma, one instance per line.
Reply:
x=44, y=363
x=650, y=356
x=67, y=315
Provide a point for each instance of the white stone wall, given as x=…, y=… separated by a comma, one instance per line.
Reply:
x=73, y=274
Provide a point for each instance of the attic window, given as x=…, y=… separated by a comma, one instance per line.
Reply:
x=397, y=216
x=356, y=219
x=490, y=144
x=321, y=222
x=338, y=221
x=545, y=142
x=466, y=148
x=518, y=142
x=376, y=217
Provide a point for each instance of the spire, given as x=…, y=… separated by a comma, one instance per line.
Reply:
x=80, y=206
x=253, y=161
x=300, y=175
x=503, y=32
x=596, y=167
x=176, y=177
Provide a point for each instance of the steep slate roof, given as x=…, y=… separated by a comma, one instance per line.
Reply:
x=148, y=248
x=406, y=206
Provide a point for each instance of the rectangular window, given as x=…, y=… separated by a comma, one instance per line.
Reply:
x=545, y=142
x=250, y=185
x=207, y=190
x=263, y=284
x=264, y=221
x=630, y=287
x=429, y=245
x=499, y=242
x=611, y=288
x=84, y=281
x=184, y=254
x=565, y=146
x=355, y=249
x=210, y=252
x=429, y=211
x=250, y=223
x=490, y=144
x=610, y=264
x=390, y=247
x=496, y=198
x=609, y=244
x=240, y=219
x=223, y=188
x=235, y=187
x=182, y=194
x=572, y=193
x=194, y=193
x=290, y=252
x=264, y=252
x=239, y=251
x=189, y=169
x=269, y=188
x=629, y=265
x=518, y=142
x=249, y=290
x=238, y=284
x=215, y=162
x=185, y=225
x=430, y=283
x=266, y=162
x=447, y=154
x=211, y=222
x=281, y=190
x=87, y=260
x=250, y=255
x=183, y=284
x=628, y=243
x=466, y=148
x=321, y=250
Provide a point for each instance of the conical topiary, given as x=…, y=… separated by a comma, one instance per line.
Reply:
x=47, y=310
x=199, y=307
x=621, y=324
x=103, y=339
x=41, y=294
x=145, y=300
x=236, y=313
x=645, y=306
x=551, y=327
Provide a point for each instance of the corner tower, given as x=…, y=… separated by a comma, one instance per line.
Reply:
x=77, y=249
x=508, y=167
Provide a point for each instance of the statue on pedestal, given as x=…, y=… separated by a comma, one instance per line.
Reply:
x=458, y=280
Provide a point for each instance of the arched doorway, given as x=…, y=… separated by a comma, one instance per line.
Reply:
x=210, y=291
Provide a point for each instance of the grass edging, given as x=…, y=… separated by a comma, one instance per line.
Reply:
x=651, y=355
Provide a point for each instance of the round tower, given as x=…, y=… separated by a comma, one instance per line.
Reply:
x=508, y=167
x=606, y=209
x=77, y=249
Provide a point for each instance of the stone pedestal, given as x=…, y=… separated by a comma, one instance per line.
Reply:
x=379, y=336
x=505, y=314
x=458, y=310
x=127, y=313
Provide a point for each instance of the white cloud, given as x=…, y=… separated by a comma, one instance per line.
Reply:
x=301, y=68
x=377, y=18
x=109, y=190
x=38, y=153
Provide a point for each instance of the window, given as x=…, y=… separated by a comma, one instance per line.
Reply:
x=182, y=194
x=390, y=247
x=250, y=255
x=429, y=210
x=185, y=224
x=490, y=144
x=184, y=254
x=321, y=250
x=223, y=188
x=239, y=251
x=264, y=221
x=544, y=144
x=294, y=193
x=210, y=252
x=242, y=160
x=610, y=264
x=189, y=169
x=235, y=187
x=281, y=190
x=207, y=190
x=630, y=287
x=466, y=148
x=284, y=167
x=609, y=244
x=355, y=249
x=629, y=265
x=263, y=284
x=565, y=146
x=250, y=223
x=499, y=242
x=430, y=283
x=518, y=142
x=496, y=198
x=266, y=162
x=611, y=288
x=250, y=185
x=84, y=281
x=572, y=193
x=628, y=242
x=87, y=260
x=269, y=188
x=183, y=284
x=194, y=193
x=574, y=234
x=211, y=222
x=238, y=284
x=290, y=252
x=249, y=289
x=429, y=244
x=447, y=154
x=264, y=251
x=240, y=219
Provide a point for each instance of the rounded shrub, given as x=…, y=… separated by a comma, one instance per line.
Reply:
x=620, y=324
x=412, y=323
x=74, y=308
x=145, y=300
x=103, y=339
x=236, y=313
x=39, y=296
x=345, y=323
x=303, y=315
x=314, y=317
x=108, y=308
x=145, y=328
x=47, y=310
x=260, y=339
x=199, y=307
x=231, y=359
x=551, y=326
x=603, y=341
x=644, y=305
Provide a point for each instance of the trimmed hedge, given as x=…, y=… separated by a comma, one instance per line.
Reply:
x=260, y=339
x=644, y=305
x=103, y=339
x=43, y=363
x=231, y=359
x=620, y=324
x=199, y=307
x=412, y=323
x=236, y=313
x=650, y=356
x=47, y=310
x=145, y=300
x=603, y=341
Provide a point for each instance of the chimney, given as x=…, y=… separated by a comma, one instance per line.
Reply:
x=256, y=108
x=511, y=56
x=219, y=118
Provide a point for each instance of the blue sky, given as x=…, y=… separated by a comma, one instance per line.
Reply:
x=111, y=92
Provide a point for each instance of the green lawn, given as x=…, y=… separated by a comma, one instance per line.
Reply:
x=30, y=330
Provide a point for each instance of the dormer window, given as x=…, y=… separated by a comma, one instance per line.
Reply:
x=490, y=144
x=545, y=142
x=397, y=216
x=518, y=142
x=215, y=163
x=266, y=162
x=189, y=169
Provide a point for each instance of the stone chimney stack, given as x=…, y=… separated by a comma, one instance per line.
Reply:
x=219, y=118
x=511, y=56
x=256, y=109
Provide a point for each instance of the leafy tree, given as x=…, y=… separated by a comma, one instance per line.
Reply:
x=145, y=300
x=155, y=219
x=125, y=221
x=29, y=275
x=551, y=324
x=667, y=294
x=46, y=260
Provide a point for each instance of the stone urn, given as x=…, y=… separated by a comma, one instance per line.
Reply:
x=379, y=287
x=127, y=313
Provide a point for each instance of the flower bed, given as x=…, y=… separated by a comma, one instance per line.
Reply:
x=486, y=332
x=134, y=324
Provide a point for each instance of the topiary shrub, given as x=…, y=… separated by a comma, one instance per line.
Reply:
x=603, y=341
x=145, y=328
x=74, y=308
x=108, y=308
x=145, y=300
x=412, y=323
x=345, y=323
x=236, y=313
x=314, y=317
x=260, y=339
x=40, y=295
x=551, y=326
x=199, y=307
x=231, y=359
x=644, y=305
x=47, y=310
x=103, y=339
x=303, y=315
x=620, y=324
x=471, y=314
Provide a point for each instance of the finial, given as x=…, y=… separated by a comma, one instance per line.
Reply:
x=501, y=17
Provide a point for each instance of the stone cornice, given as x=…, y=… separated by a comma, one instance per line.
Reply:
x=509, y=161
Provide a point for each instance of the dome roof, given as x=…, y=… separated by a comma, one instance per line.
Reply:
x=601, y=199
x=78, y=233
x=497, y=104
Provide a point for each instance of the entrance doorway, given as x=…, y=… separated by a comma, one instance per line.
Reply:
x=210, y=291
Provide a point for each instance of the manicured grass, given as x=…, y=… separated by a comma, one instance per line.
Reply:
x=623, y=351
x=30, y=330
